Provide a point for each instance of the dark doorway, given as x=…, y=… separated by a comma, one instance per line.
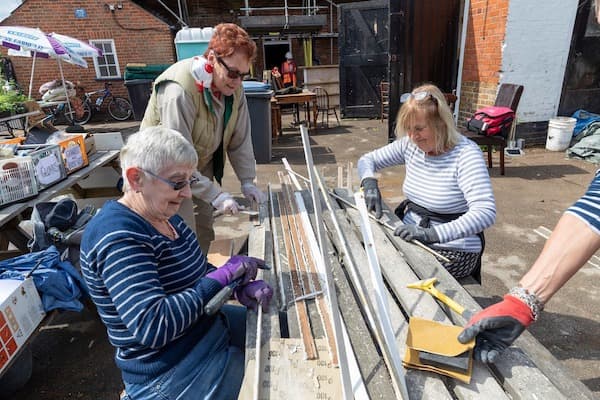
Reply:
x=424, y=47
x=363, y=43
x=275, y=53
x=406, y=42
x=581, y=86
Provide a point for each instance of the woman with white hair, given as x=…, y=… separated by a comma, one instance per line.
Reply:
x=150, y=280
x=449, y=197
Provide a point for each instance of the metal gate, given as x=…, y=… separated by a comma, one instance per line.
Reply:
x=363, y=42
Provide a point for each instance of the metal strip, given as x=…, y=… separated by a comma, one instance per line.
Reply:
x=337, y=323
x=390, y=351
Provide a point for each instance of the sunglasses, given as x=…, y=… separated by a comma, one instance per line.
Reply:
x=418, y=96
x=232, y=73
x=175, y=185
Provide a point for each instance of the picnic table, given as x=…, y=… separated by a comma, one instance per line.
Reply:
x=12, y=214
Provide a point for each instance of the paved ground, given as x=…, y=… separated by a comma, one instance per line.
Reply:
x=75, y=362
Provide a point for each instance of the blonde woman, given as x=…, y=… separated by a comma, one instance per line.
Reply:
x=449, y=197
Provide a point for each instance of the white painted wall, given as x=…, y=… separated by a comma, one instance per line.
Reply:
x=535, y=52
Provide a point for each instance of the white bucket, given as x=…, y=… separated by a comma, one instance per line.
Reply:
x=560, y=133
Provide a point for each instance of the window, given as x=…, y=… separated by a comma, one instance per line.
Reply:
x=106, y=66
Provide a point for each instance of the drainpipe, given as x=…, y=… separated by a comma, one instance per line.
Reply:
x=461, y=58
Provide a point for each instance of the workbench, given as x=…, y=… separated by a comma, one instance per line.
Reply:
x=12, y=214
x=291, y=352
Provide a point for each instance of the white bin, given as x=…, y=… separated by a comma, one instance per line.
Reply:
x=560, y=133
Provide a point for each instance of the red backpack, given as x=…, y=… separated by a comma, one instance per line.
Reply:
x=492, y=120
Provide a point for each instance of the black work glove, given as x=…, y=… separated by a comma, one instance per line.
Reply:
x=372, y=196
x=416, y=232
x=496, y=327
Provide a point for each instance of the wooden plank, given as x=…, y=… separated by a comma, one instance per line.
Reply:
x=518, y=374
x=421, y=384
x=421, y=304
x=288, y=375
x=376, y=377
x=300, y=306
x=391, y=353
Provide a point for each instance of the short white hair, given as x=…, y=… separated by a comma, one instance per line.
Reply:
x=288, y=55
x=155, y=149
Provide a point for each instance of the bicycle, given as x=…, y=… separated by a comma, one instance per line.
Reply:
x=119, y=108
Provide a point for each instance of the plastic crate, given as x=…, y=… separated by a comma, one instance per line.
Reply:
x=74, y=153
x=47, y=163
x=17, y=180
x=17, y=140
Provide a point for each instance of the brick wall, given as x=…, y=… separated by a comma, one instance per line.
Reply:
x=483, y=55
x=139, y=37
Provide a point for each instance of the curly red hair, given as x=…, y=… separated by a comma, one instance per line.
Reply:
x=230, y=38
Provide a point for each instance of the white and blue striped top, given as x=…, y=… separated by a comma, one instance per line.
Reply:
x=587, y=208
x=451, y=183
x=149, y=290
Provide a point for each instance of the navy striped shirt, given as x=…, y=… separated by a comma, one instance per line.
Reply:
x=587, y=208
x=149, y=290
x=451, y=183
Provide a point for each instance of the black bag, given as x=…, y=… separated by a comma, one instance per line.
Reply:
x=492, y=120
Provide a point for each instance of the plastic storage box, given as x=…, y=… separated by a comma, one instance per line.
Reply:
x=17, y=180
x=47, y=163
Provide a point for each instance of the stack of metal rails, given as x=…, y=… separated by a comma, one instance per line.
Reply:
x=336, y=330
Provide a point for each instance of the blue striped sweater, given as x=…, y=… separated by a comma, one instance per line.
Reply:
x=149, y=290
x=451, y=183
x=587, y=208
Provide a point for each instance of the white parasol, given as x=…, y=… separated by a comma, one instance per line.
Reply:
x=57, y=46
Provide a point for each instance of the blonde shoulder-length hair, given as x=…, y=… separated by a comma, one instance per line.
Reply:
x=436, y=112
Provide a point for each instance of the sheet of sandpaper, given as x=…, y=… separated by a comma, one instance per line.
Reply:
x=446, y=355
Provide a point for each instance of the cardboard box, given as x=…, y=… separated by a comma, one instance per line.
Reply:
x=21, y=312
x=74, y=153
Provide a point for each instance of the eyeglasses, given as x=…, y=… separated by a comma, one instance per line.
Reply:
x=418, y=96
x=175, y=185
x=232, y=73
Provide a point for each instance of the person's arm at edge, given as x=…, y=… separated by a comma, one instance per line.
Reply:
x=568, y=248
x=240, y=150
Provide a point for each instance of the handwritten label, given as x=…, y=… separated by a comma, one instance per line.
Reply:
x=48, y=169
x=73, y=156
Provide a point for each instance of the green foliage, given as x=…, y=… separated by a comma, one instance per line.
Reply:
x=11, y=99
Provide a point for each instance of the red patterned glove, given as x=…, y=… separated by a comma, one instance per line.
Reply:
x=497, y=327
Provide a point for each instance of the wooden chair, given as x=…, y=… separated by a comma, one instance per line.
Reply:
x=384, y=97
x=509, y=95
x=324, y=108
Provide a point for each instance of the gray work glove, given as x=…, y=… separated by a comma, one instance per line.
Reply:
x=416, y=232
x=372, y=196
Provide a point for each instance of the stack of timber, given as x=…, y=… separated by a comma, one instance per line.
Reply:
x=296, y=350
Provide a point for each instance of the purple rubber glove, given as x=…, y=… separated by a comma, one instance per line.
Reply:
x=236, y=267
x=253, y=294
